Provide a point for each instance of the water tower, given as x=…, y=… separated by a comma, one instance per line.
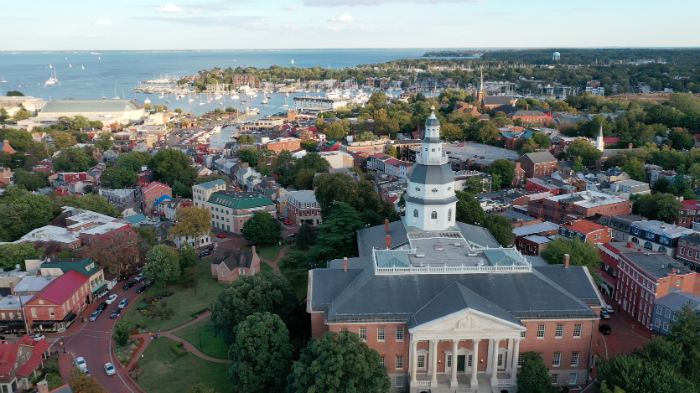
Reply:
x=556, y=56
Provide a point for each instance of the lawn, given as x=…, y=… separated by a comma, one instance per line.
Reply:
x=163, y=372
x=211, y=345
x=270, y=253
x=185, y=301
x=266, y=267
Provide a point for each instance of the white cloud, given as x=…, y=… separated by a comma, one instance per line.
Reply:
x=103, y=22
x=262, y=25
x=289, y=8
x=196, y=11
x=343, y=18
x=169, y=7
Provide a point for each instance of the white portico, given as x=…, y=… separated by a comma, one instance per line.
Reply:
x=472, y=345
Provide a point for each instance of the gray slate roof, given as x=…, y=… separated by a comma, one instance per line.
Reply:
x=431, y=174
x=232, y=258
x=96, y=106
x=539, y=157
x=676, y=300
x=497, y=100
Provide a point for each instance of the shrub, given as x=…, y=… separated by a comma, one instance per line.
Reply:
x=121, y=333
x=140, y=324
x=179, y=352
x=202, y=311
x=51, y=366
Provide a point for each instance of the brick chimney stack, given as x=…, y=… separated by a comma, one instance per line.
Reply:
x=386, y=225
x=629, y=146
x=566, y=261
x=388, y=241
x=345, y=264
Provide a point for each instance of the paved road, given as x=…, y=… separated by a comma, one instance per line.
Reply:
x=91, y=340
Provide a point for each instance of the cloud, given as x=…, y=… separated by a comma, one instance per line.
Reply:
x=338, y=3
x=262, y=25
x=197, y=20
x=169, y=7
x=343, y=18
x=103, y=22
x=289, y=8
x=196, y=11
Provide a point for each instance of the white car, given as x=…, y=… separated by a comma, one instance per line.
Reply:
x=109, y=369
x=609, y=309
x=112, y=298
x=38, y=336
x=81, y=364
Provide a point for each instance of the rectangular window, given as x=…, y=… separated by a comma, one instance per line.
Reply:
x=659, y=310
x=363, y=334
x=381, y=334
x=420, y=361
x=383, y=361
x=449, y=360
x=523, y=333
x=559, y=332
x=573, y=377
x=343, y=330
x=555, y=378
x=51, y=313
x=574, y=359
x=399, y=381
x=668, y=313
x=399, y=334
x=399, y=362
x=34, y=313
x=520, y=360
x=665, y=325
x=540, y=331
x=500, y=360
x=556, y=361
x=577, y=330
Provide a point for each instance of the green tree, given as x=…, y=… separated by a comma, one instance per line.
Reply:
x=336, y=237
x=81, y=382
x=12, y=255
x=133, y=161
x=501, y=228
x=21, y=114
x=580, y=253
x=505, y=170
x=121, y=333
x=306, y=236
x=15, y=93
x=92, y=202
x=104, y=141
x=392, y=151
x=247, y=295
x=685, y=331
x=73, y=160
x=119, y=177
x=534, y=377
x=663, y=207
x=202, y=388
x=30, y=181
x=163, y=265
x=249, y=155
x=578, y=165
x=63, y=140
x=338, y=362
x=635, y=169
x=262, y=228
x=169, y=165
x=474, y=185
x=335, y=131
x=192, y=222
x=662, y=185
x=588, y=153
x=21, y=212
x=179, y=189
x=469, y=209
x=188, y=256
x=305, y=179
x=246, y=139
x=261, y=355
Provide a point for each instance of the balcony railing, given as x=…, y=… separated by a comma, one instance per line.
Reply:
x=421, y=159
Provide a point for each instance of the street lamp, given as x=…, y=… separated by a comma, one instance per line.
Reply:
x=200, y=341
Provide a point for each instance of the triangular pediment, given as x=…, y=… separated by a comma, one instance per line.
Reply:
x=466, y=321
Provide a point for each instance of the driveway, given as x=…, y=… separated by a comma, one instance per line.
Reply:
x=92, y=340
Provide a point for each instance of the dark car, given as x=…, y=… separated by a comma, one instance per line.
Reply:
x=115, y=313
x=102, y=306
x=148, y=283
x=605, y=328
x=129, y=285
x=141, y=289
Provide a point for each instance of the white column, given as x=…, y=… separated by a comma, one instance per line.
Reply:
x=516, y=353
x=433, y=362
x=494, y=363
x=509, y=355
x=414, y=361
x=488, y=356
x=453, y=382
x=475, y=364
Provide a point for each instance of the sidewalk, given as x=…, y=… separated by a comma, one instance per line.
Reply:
x=280, y=256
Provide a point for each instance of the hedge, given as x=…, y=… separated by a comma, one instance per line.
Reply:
x=177, y=348
x=196, y=314
x=140, y=324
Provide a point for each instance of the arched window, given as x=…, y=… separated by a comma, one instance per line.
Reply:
x=635, y=240
x=449, y=215
x=662, y=249
x=648, y=245
x=415, y=215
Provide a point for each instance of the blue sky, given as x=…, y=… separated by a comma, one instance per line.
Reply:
x=290, y=24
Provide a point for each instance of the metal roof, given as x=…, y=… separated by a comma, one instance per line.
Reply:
x=90, y=106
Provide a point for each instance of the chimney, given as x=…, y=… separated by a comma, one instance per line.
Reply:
x=566, y=261
x=42, y=386
x=673, y=271
x=215, y=245
x=386, y=225
x=388, y=241
x=345, y=264
x=630, y=245
x=527, y=107
x=12, y=287
x=253, y=250
x=629, y=146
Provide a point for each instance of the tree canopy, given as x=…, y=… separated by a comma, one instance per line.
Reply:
x=262, y=228
x=580, y=253
x=163, y=265
x=192, y=222
x=336, y=237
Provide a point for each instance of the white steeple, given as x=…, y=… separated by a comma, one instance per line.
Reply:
x=430, y=197
x=600, y=142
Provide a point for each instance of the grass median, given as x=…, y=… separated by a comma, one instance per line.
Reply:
x=210, y=344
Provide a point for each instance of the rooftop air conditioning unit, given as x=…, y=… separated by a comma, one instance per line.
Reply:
x=420, y=255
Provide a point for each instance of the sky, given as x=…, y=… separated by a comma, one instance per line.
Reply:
x=302, y=24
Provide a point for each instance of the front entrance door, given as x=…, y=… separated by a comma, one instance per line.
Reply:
x=460, y=362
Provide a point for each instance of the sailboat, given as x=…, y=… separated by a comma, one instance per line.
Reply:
x=52, y=79
x=3, y=79
x=70, y=65
x=190, y=100
x=123, y=96
x=103, y=95
x=292, y=61
x=83, y=67
x=116, y=96
x=285, y=102
x=146, y=101
x=235, y=97
x=167, y=100
x=265, y=101
x=200, y=101
x=50, y=66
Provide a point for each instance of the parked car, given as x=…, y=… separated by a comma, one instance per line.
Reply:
x=139, y=277
x=209, y=248
x=141, y=289
x=38, y=337
x=109, y=369
x=221, y=236
x=111, y=299
x=102, y=307
x=204, y=253
x=605, y=328
x=281, y=218
x=610, y=309
x=123, y=303
x=604, y=314
x=115, y=313
x=287, y=222
x=95, y=315
x=129, y=285
x=81, y=364
x=148, y=283
x=292, y=235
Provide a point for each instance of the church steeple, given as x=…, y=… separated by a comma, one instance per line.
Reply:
x=480, y=94
x=600, y=142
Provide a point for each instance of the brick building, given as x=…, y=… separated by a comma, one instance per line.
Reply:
x=538, y=164
x=690, y=213
x=20, y=362
x=301, y=207
x=231, y=209
x=533, y=239
x=279, y=144
x=243, y=80
x=228, y=264
x=586, y=231
x=688, y=251
x=56, y=306
x=569, y=207
x=548, y=184
x=150, y=194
